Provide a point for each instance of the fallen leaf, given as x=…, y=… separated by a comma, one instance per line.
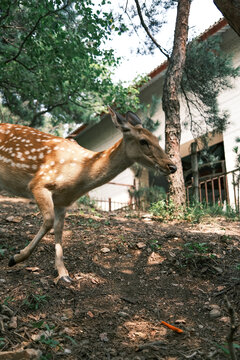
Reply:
x=32, y=269
x=90, y=314
x=141, y=245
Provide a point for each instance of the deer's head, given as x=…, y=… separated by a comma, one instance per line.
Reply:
x=140, y=144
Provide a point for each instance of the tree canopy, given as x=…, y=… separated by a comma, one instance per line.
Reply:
x=52, y=61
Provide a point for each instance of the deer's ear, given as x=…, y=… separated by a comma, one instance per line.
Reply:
x=133, y=119
x=122, y=123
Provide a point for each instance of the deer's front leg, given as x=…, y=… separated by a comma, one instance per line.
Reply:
x=58, y=229
x=43, y=198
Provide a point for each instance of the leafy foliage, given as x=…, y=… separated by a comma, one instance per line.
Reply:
x=207, y=72
x=52, y=61
x=166, y=210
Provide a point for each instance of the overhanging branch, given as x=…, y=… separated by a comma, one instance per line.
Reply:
x=163, y=51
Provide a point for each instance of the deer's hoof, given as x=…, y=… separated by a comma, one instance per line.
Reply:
x=12, y=262
x=66, y=279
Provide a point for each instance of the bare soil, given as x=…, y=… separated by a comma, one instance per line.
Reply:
x=129, y=274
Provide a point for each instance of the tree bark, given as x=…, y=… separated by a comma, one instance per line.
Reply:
x=231, y=11
x=171, y=104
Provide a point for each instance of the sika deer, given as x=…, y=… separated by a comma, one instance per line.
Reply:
x=57, y=171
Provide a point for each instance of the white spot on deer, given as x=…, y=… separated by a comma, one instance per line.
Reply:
x=34, y=167
x=62, y=161
x=59, y=178
x=56, y=147
x=41, y=156
x=27, y=152
x=33, y=150
x=52, y=163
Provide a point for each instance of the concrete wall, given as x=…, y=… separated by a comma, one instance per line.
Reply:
x=101, y=137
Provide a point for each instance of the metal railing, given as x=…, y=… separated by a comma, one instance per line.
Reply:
x=218, y=189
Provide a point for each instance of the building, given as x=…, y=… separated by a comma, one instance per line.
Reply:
x=103, y=135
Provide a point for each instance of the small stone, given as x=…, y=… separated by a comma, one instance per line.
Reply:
x=215, y=313
x=67, y=351
x=180, y=321
x=2, y=281
x=105, y=250
x=214, y=306
x=13, y=323
x=123, y=314
x=103, y=337
x=14, y=219
x=225, y=319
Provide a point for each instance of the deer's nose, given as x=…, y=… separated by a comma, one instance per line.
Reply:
x=172, y=168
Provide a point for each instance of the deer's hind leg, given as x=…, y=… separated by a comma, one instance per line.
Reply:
x=43, y=198
x=58, y=229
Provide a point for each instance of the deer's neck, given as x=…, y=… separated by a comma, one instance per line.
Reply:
x=107, y=164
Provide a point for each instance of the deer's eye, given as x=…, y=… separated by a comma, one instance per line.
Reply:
x=144, y=142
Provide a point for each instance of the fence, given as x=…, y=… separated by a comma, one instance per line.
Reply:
x=219, y=189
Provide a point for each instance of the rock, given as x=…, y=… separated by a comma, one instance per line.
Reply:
x=2, y=281
x=215, y=313
x=180, y=321
x=105, y=250
x=14, y=219
x=214, y=306
x=123, y=314
x=13, y=323
x=104, y=337
x=67, y=351
x=21, y=354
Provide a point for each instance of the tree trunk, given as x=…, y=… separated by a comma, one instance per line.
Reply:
x=231, y=11
x=171, y=104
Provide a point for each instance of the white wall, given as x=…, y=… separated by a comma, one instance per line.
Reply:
x=101, y=137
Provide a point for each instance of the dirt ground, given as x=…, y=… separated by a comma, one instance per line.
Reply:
x=129, y=274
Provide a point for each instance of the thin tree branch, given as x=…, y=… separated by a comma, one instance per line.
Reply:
x=48, y=109
x=33, y=29
x=163, y=51
x=7, y=12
